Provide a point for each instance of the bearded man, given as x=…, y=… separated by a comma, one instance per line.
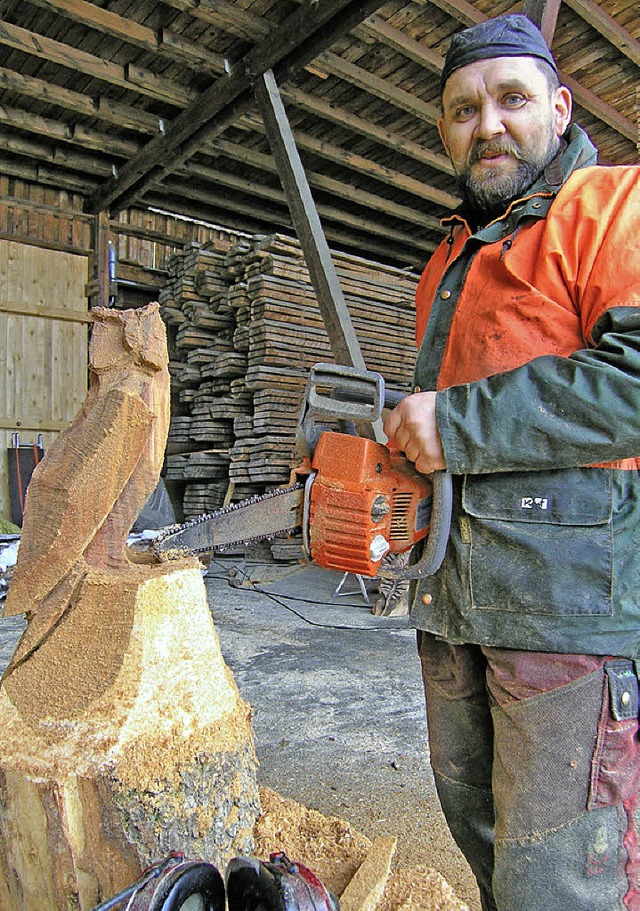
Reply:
x=528, y=393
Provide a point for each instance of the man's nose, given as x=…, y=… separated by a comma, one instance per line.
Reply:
x=490, y=122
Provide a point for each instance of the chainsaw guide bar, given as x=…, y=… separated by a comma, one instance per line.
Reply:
x=250, y=520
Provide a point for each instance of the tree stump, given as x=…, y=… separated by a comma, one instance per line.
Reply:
x=123, y=734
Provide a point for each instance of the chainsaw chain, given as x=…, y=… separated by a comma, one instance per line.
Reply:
x=179, y=552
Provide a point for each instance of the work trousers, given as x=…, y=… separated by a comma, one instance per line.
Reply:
x=537, y=765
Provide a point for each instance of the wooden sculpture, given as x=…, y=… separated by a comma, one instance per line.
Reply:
x=123, y=733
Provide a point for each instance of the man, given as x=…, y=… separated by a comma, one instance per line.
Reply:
x=528, y=392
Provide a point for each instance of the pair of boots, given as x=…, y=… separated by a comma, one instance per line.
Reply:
x=176, y=884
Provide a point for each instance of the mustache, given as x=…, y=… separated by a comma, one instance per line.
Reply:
x=492, y=147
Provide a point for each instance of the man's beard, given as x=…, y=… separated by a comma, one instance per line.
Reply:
x=493, y=191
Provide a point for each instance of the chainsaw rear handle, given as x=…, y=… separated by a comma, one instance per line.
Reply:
x=438, y=537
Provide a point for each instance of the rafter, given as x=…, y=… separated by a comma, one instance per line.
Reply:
x=293, y=44
x=608, y=27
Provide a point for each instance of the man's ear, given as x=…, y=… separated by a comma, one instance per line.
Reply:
x=441, y=131
x=563, y=104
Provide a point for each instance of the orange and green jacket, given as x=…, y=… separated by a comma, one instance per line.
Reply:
x=529, y=329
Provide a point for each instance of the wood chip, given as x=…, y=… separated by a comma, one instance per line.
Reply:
x=365, y=889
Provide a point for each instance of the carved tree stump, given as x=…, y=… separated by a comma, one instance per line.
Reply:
x=123, y=738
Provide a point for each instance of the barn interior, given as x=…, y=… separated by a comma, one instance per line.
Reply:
x=271, y=173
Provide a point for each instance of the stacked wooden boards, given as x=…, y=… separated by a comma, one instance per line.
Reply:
x=247, y=329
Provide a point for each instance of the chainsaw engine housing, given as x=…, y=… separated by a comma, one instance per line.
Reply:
x=365, y=501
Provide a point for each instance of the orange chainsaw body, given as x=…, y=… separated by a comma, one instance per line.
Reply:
x=364, y=501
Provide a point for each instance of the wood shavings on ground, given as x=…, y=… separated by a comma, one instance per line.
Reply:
x=419, y=889
x=329, y=846
x=334, y=850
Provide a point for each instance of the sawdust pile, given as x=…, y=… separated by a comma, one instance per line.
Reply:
x=327, y=845
x=334, y=850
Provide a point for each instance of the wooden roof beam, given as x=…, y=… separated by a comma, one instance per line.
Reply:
x=378, y=28
x=366, y=128
x=300, y=38
x=255, y=191
x=256, y=220
x=360, y=164
x=607, y=26
x=321, y=182
x=79, y=61
x=166, y=42
x=334, y=65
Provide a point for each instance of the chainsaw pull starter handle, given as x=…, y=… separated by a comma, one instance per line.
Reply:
x=436, y=546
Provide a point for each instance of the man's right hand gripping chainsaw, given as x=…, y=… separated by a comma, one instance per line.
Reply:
x=354, y=499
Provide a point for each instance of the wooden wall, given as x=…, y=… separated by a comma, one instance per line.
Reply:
x=43, y=345
x=46, y=266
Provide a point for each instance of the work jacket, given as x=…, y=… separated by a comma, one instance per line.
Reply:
x=529, y=329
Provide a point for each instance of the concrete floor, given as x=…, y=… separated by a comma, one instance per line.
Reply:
x=338, y=705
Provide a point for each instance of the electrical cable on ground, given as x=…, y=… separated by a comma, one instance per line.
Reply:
x=279, y=600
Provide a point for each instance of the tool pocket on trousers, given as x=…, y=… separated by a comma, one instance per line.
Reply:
x=615, y=773
x=540, y=542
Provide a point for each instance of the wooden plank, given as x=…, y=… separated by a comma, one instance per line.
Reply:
x=44, y=48
x=378, y=28
x=103, y=20
x=287, y=45
x=191, y=52
x=45, y=91
x=27, y=120
x=26, y=309
x=344, y=118
x=365, y=890
x=339, y=155
x=607, y=26
x=374, y=85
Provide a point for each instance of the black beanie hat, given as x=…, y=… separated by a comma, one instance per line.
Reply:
x=512, y=35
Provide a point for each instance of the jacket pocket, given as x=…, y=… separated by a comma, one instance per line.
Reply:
x=540, y=542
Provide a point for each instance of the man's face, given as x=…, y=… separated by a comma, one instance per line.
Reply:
x=501, y=126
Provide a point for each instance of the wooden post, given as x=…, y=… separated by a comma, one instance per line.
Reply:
x=544, y=14
x=99, y=288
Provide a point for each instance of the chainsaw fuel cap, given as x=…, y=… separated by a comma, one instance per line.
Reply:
x=277, y=885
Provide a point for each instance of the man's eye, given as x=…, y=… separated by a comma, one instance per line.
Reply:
x=514, y=100
x=464, y=112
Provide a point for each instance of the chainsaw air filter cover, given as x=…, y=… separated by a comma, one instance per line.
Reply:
x=280, y=885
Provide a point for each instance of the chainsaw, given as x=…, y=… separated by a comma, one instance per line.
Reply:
x=354, y=499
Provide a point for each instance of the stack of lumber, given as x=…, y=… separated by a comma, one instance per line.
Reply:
x=246, y=331
x=280, y=327
x=194, y=306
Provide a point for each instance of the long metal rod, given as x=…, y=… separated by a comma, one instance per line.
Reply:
x=333, y=308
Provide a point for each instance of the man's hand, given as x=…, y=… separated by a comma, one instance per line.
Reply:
x=411, y=427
